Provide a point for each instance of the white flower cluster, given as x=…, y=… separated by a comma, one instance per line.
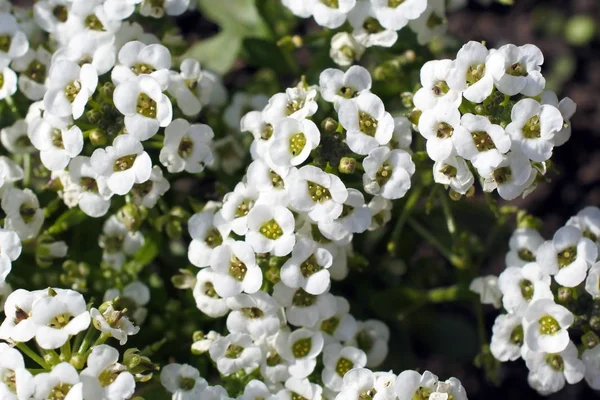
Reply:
x=375, y=22
x=488, y=109
x=551, y=293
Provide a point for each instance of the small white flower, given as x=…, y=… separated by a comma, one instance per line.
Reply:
x=546, y=326
x=236, y=207
x=8, y=82
x=362, y=381
x=523, y=245
x=271, y=230
x=234, y=262
x=58, y=141
x=567, y=108
x=118, y=242
x=341, y=326
x=17, y=381
x=33, y=67
x=317, y=192
x=69, y=88
x=205, y=237
x=10, y=250
x=510, y=177
x=372, y=337
x=568, y=256
x=297, y=102
x=51, y=14
x=242, y=103
x=367, y=123
x=14, y=41
x=345, y=49
x=255, y=314
x=355, y=218
x=450, y=389
x=366, y=28
x=302, y=308
x=507, y=337
x=520, y=70
x=93, y=194
x=147, y=194
x=395, y=14
x=62, y=381
x=113, y=323
x=183, y=380
x=18, y=324
x=300, y=388
x=454, y=172
x=136, y=295
x=523, y=285
x=104, y=378
x=23, y=212
x=14, y=138
x=153, y=9
x=381, y=212
x=533, y=128
x=203, y=345
x=410, y=384
x=124, y=164
x=293, y=141
x=588, y=221
x=86, y=16
x=207, y=299
x=194, y=88
x=388, y=172
x=186, y=147
x=255, y=390
x=438, y=126
x=145, y=107
x=487, y=289
x=435, y=90
x=331, y=13
x=591, y=360
x=120, y=9
x=549, y=371
x=88, y=47
x=300, y=349
x=338, y=360
x=592, y=283
x=307, y=268
x=432, y=23
x=235, y=352
x=271, y=181
x=136, y=58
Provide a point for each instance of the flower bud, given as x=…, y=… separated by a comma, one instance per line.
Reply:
x=93, y=116
x=97, y=138
x=78, y=361
x=347, y=165
x=595, y=323
x=454, y=195
x=185, y=280
x=51, y=358
x=329, y=125
x=590, y=340
x=414, y=116
x=107, y=90
x=131, y=216
x=565, y=295
x=407, y=99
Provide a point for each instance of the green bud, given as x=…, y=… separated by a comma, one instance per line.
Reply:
x=329, y=125
x=590, y=340
x=52, y=358
x=454, y=195
x=407, y=99
x=97, y=138
x=185, y=280
x=174, y=229
x=132, y=216
x=197, y=336
x=107, y=90
x=347, y=165
x=414, y=116
x=290, y=43
x=93, y=116
x=565, y=295
x=78, y=361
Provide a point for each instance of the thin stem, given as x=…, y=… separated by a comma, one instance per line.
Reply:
x=26, y=169
x=87, y=340
x=13, y=107
x=65, y=350
x=411, y=202
x=450, y=222
x=33, y=355
x=455, y=260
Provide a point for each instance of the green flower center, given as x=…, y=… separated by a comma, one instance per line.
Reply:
x=267, y=132
x=276, y=180
x=567, y=256
x=367, y=394
x=22, y=141
x=502, y=175
x=252, y=312
x=330, y=325
x=586, y=233
x=331, y=3
x=146, y=106
x=556, y=362
x=124, y=163
x=237, y=269
x=346, y=92
x=186, y=147
x=10, y=380
x=5, y=41
x=310, y=266
x=234, y=351
x=157, y=3
x=297, y=143
x=526, y=255
x=517, y=69
x=209, y=290
x=89, y=184
x=482, y=141
x=93, y=22
x=475, y=73
x=1, y=80
x=384, y=173
x=303, y=299
x=343, y=366
x=294, y=106
x=36, y=71
x=517, y=336
x=302, y=347
x=112, y=243
x=107, y=377
x=348, y=51
x=423, y=393
x=271, y=230
x=440, y=88
x=142, y=189
x=27, y=212
x=60, y=321
x=213, y=238
x=296, y=396
x=318, y=193
x=57, y=139
x=60, y=391
x=367, y=124
x=548, y=325
x=187, y=384
x=61, y=13
x=346, y=210
x=371, y=26
x=394, y=3
x=532, y=129
x=444, y=130
x=72, y=90
x=435, y=20
x=527, y=289
x=142, y=69
x=449, y=171
x=273, y=358
x=243, y=208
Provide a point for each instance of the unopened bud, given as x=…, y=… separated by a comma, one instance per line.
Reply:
x=454, y=195
x=347, y=165
x=470, y=192
x=107, y=90
x=590, y=340
x=565, y=295
x=329, y=125
x=78, y=361
x=184, y=280
x=93, y=116
x=131, y=216
x=595, y=323
x=97, y=138
x=414, y=116
x=52, y=358
x=407, y=99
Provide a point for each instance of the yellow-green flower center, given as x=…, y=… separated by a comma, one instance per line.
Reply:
x=89, y=184
x=318, y=193
x=271, y=230
x=532, y=128
x=146, y=106
x=483, y=141
x=527, y=289
x=93, y=22
x=234, y=351
x=187, y=384
x=124, y=163
x=61, y=13
x=27, y=212
x=586, y=233
x=296, y=396
x=142, y=69
x=60, y=391
x=449, y=171
x=297, y=143
x=36, y=71
x=331, y=3
x=57, y=139
x=213, y=238
x=72, y=90
x=186, y=147
x=330, y=325
x=475, y=73
x=273, y=358
x=435, y=20
x=237, y=269
x=517, y=69
x=384, y=173
x=567, y=256
x=548, y=325
x=60, y=321
x=365, y=341
x=526, y=255
x=302, y=347
x=444, y=130
x=371, y=25
x=367, y=124
x=294, y=106
x=5, y=41
x=303, y=299
x=556, y=362
x=502, y=175
x=517, y=336
x=252, y=312
x=243, y=208
x=267, y=132
x=10, y=380
x=107, y=377
x=343, y=366
x=276, y=180
x=395, y=3
x=209, y=290
x=440, y=88
x=423, y=393
x=310, y=266
x=367, y=394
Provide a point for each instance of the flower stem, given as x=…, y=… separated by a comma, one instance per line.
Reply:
x=26, y=169
x=87, y=340
x=33, y=355
x=65, y=351
x=455, y=260
x=450, y=222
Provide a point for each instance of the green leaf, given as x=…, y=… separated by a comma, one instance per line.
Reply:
x=217, y=53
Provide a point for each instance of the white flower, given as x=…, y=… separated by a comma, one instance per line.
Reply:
x=487, y=289
x=207, y=299
x=150, y=8
x=523, y=244
x=395, y=14
x=8, y=82
x=510, y=177
x=255, y=390
x=203, y=345
x=454, y=172
x=301, y=9
x=234, y=262
x=14, y=138
x=507, y=337
x=450, y=389
x=567, y=108
x=410, y=384
x=298, y=102
x=186, y=147
x=235, y=352
x=372, y=337
x=271, y=230
x=136, y=58
x=546, y=326
x=147, y=194
x=473, y=72
x=86, y=15
x=194, y=88
x=93, y=194
x=271, y=181
x=113, y=323
x=17, y=382
x=381, y=212
x=69, y=88
x=145, y=107
x=10, y=250
x=242, y=103
x=124, y=164
x=14, y=41
x=129, y=31
x=120, y=9
x=338, y=360
x=345, y=50
x=361, y=381
x=104, y=378
x=366, y=28
x=299, y=388
x=58, y=317
x=367, y=123
x=435, y=90
x=300, y=349
x=183, y=381
x=236, y=207
x=432, y=23
x=591, y=360
x=205, y=237
x=50, y=14
x=23, y=212
x=89, y=47
x=255, y=314
x=317, y=192
x=355, y=218
x=33, y=67
x=520, y=70
x=588, y=221
x=57, y=140
x=331, y=13
x=302, y=308
x=18, y=324
x=438, y=126
x=341, y=326
x=135, y=295
x=568, y=256
x=63, y=381
x=118, y=242
x=481, y=142
x=293, y=141
x=307, y=268
x=273, y=368
x=592, y=283
x=388, y=172
x=523, y=285
x=533, y=128
x=549, y=371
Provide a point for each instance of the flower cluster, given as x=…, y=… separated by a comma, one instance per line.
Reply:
x=486, y=112
x=551, y=293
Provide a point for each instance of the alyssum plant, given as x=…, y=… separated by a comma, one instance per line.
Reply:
x=103, y=123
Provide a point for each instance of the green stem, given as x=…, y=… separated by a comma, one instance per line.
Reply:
x=33, y=355
x=87, y=340
x=13, y=107
x=26, y=169
x=411, y=202
x=456, y=261
x=65, y=351
x=450, y=222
